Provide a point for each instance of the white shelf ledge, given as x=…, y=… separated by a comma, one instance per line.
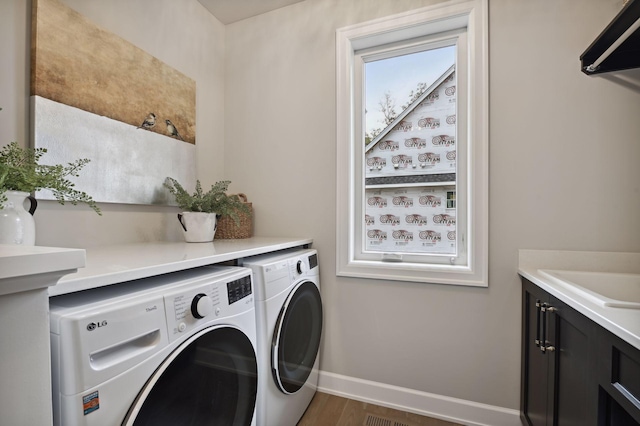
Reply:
x=25, y=268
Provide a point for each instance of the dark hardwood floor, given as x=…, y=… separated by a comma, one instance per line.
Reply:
x=331, y=410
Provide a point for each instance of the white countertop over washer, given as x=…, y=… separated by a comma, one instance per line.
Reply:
x=114, y=264
x=622, y=322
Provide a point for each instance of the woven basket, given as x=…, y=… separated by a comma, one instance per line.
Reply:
x=227, y=228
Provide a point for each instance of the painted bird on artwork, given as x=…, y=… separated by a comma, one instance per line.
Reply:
x=148, y=122
x=172, y=131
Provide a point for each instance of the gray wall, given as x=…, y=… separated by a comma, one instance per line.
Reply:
x=563, y=174
x=563, y=148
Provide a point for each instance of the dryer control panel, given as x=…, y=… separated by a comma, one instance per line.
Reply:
x=303, y=264
x=275, y=272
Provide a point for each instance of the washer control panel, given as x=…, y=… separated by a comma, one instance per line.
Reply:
x=201, y=306
x=192, y=307
x=239, y=289
x=185, y=309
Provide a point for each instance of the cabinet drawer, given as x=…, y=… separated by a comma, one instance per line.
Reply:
x=620, y=374
x=625, y=374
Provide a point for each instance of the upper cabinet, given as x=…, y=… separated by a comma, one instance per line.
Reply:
x=618, y=46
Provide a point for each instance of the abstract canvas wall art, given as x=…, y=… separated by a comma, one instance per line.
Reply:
x=95, y=95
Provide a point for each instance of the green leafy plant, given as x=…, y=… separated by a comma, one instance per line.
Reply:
x=20, y=171
x=215, y=200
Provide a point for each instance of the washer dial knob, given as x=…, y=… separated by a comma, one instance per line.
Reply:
x=201, y=306
x=300, y=267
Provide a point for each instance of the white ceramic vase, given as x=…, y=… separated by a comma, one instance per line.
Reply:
x=198, y=227
x=16, y=223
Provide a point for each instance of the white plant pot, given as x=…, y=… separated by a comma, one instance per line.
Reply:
x=198, y=227
x=16, y=223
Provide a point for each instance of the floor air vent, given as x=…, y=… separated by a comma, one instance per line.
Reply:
x=373, y=420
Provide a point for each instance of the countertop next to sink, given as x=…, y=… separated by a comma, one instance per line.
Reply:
x=114, y=264
x=623, y=322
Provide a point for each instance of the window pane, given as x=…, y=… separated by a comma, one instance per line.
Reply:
x=410, y=153
x=401, y=77
x=410, y=220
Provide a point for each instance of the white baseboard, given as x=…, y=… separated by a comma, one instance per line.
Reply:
x=423, y=403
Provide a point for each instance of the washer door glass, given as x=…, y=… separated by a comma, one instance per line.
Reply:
x=296, y=338
x=211, y=379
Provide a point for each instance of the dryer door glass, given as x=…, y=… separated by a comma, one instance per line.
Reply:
x=210, y=380
x=296, y=337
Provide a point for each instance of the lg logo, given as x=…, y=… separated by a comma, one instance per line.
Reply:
x=92, y=326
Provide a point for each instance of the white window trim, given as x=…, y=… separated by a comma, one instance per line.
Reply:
x=448, y=16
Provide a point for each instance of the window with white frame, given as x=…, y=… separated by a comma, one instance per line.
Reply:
x=412, y=180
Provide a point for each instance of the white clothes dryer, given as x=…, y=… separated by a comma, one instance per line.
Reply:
x=289, y=327
x=177, y=349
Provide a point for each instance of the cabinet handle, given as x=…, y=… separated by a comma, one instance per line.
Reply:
x=538, y=306
x=543, y=339
x=544, y=309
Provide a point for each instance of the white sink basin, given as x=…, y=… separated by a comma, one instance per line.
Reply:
x=605, y=288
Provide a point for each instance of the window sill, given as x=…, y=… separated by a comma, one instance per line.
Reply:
x=413, y=272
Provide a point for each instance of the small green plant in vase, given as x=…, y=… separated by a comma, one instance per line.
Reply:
x=20, y=175
x=20, y=171
x=199, y=210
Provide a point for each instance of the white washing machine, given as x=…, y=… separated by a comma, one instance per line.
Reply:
x=289, y=327
x=177, y=349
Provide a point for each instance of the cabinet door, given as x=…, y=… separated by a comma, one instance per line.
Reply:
x=535, y=394
x=572, y=363
x=558, y=362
